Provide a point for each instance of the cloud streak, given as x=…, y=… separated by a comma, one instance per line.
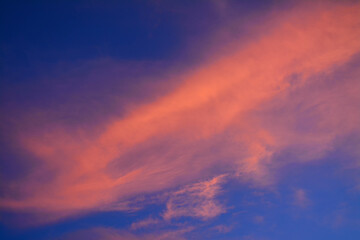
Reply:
x=222, y=117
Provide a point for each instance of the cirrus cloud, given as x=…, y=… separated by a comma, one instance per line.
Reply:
x=235, y=114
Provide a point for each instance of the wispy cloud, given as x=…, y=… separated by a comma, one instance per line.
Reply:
x=235, y=114
x=145, y=223
x=197, y=200
x=115, y=234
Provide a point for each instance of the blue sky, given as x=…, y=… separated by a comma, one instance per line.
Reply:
x=179, y=120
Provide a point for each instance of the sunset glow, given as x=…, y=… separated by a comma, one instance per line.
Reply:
x=180, y=120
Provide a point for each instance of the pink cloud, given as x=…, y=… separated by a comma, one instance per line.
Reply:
x=196, y=200
x=233, y=114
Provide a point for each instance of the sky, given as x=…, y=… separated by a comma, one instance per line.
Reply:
x=207, y=119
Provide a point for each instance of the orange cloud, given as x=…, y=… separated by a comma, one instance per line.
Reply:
x=215, y=120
